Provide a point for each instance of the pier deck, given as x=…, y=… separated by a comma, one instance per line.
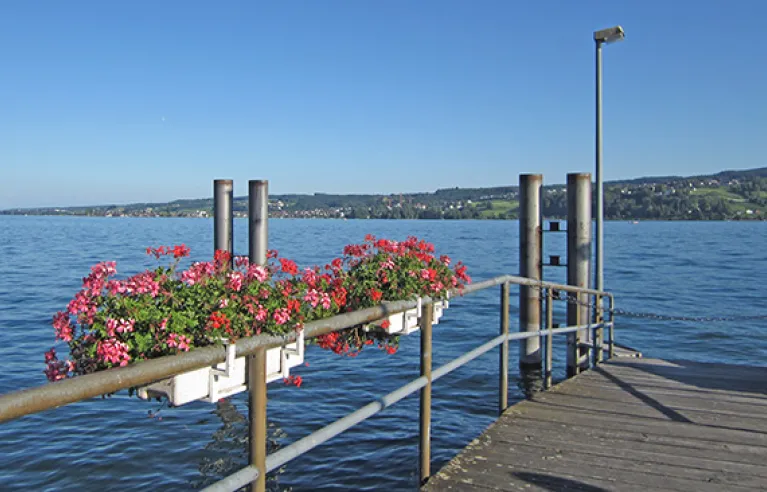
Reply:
x=628, y=425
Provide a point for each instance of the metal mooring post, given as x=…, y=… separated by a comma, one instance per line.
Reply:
x=223, y=219
x=578, y=267
x=258, y=217
x=530, y=266
x=425, y=424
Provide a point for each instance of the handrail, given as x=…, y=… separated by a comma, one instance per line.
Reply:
x=277, y=459
x=47, y=396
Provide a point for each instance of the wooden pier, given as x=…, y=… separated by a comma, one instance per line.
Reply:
x=628, y=425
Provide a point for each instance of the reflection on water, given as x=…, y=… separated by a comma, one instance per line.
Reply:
x=227, y=451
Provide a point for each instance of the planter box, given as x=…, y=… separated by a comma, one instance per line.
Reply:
x=407, y=322
x=226, y=378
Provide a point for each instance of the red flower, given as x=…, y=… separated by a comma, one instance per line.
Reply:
x=376, y=295
x=289, y=266
x=221, y=258
x=385, y=324
x=180, y=251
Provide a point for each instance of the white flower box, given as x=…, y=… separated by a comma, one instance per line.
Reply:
x=408, y=322
x=226, y=378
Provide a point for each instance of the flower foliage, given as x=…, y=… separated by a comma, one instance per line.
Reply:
x=112, y=322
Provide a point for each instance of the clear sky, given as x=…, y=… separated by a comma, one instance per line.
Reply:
x=117, y=102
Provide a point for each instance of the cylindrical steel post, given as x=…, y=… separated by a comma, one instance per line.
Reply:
x=503, y=389
x=425, y=423
x=258, y=220
x=530, y=266
x=257, y=414
x=258, y=240
x=549, y=337
x=223, y=218
x=578, y=266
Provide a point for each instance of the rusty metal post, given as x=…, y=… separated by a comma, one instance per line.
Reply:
x=258, y=216
x=530, y=266
x=223, y=218
x=425, y=413
x=549, y=337
x=503, y=390
x=578, y=267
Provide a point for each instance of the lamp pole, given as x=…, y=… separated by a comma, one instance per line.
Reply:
x=602, y=37
x=599, y=284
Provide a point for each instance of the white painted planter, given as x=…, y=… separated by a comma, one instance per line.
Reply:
x=226, y=378
x=408, y=322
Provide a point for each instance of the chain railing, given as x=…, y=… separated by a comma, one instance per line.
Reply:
x=52, y=395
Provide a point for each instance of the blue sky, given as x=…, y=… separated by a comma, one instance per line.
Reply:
x=117, y=102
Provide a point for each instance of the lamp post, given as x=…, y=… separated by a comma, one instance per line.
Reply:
x=605, y=36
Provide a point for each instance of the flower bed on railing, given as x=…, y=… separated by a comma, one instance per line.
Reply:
x=112, y=322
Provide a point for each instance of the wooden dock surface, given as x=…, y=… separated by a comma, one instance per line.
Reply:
x=628, y=425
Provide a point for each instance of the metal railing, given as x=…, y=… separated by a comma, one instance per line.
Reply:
x=52, y=395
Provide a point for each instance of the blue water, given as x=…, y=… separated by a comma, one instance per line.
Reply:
x=693, y=269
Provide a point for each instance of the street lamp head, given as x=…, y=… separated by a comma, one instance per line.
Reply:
x=610, y=35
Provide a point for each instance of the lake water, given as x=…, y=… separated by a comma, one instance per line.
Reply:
x=676, y=268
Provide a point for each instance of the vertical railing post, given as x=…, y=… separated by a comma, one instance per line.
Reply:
x=223, y=218
x=578, y=266
x=530, y=266
x=599, y=334
x=425, y=410
x=612, y=327
x=258, y=217
x=549, y=337
x=503, y=390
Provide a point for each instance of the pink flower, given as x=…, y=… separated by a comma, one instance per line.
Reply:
x=178, y=341
x=312, y=297
x=235, y=281
x=325, y=300
x=198, y=272
x=310, y=276
x=223, y=303
x=119, y=326
x=113, y=351
x=163, y=324
x=63, y=326
x=241, y=261
x=261, y=313
x=257, y=272
x=281, y=316
x=142, y=283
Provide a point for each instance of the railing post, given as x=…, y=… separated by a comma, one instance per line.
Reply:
x=223, y=218
x=599, y=332
x=503, y=395
x=578, y=266
x=258, y=217
x=612, y=328
x=425, y=413
x=530, y=266
x=549, y=336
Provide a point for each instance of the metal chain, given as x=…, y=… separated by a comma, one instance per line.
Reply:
x=698, y=319
x=571, y=298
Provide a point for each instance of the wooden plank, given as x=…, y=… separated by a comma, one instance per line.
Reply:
x=656, y=410
x=607, y=444
x=673, y=399
x=595, y=381
x=544, y=412
x=691, y=447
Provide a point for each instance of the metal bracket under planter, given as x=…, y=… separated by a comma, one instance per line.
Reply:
x=225, y=378
x=407, y=322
